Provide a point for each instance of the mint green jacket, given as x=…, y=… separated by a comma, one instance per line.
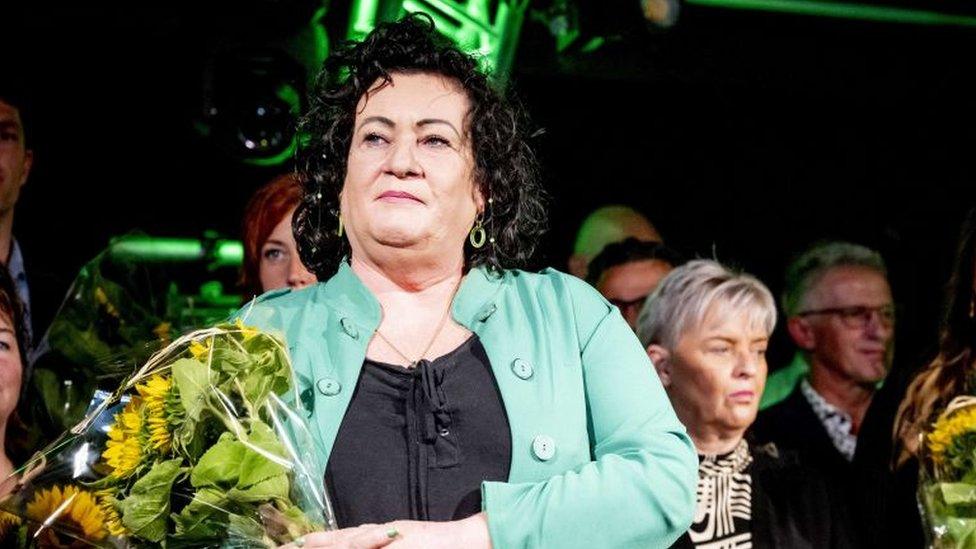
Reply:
x=599, y=458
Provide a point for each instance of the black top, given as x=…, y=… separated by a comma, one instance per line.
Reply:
x=866, y=483
x=790, y=506
x=723, y=516
x=792, y=424
x=417, y=443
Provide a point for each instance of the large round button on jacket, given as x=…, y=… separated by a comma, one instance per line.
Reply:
x=349, y=327
x=543, y=447
x=328, y=386
x=522, y=369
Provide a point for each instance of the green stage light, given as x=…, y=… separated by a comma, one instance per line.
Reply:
x=490, y=35
x=150, y=249
x=844, y=10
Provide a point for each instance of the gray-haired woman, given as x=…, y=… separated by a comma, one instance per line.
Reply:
x=706, y=328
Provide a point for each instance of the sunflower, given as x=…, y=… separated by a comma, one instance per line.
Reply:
x=107, y=503
x=102, y=298
x=8, y=521
x=948, y=429
x=73, y=508
x=199, y=351
x=156, y=393
x=247, y=331
x=162, y=331
x=126, y=440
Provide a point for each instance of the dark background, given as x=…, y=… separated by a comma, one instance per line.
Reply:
x=744, y=136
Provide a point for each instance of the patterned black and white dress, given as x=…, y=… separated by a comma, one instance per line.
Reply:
x=723, y=516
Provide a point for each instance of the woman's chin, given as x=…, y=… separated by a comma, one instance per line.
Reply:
x=398, y=239
x=742, y=417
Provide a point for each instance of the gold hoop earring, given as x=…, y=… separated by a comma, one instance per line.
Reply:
x=339, y=231
x=477, y=236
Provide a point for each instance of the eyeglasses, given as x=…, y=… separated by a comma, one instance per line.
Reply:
x=625, y=305
x=858, y=316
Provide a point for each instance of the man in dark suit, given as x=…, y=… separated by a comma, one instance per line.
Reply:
x=840, y=314
x=16, y=160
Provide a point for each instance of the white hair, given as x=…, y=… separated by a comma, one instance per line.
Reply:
x=696, y=289
x=806, y=270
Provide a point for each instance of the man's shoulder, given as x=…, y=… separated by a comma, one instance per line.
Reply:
x=786, y=417
x=794, y=402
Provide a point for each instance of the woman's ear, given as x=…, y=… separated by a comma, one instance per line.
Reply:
x=479, y=199
x=661, y=359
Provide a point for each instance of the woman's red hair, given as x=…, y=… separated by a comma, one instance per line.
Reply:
x=264, y=211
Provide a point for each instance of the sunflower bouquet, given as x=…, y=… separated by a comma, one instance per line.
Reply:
x=205, y=445
x=947, y=482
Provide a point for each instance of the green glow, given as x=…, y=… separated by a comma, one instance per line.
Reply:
x=844, y=10
x=212, y=294
x=149, y=249
x=277, y=159
x=363, y=18
x=229, y=253
x=470, y=24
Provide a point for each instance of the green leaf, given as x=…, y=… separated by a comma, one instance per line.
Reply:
x=300, y=521
x=205, y=517
x=191, y=379
x=221, y=464
x=955, y=493
x=268, y=371
x=145, y=510
x=267, y=490
x=962, y=531
x=228, y=358
x=246, y=531
x=255, y=467
x=283, y=522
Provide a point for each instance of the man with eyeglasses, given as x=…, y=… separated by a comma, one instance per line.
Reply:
x=841, y=317
x=627, y=272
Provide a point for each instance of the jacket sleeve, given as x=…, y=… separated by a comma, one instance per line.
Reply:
x=639, y=490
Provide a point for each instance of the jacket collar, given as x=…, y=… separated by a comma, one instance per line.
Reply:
x=474, y=302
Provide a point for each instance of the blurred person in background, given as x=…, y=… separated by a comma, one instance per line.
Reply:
x=13, y=358
x=840, y=314
x=951, y=373
x=627, y=272
x=38, y=291
x=271, y=258
x=606, y=225
x=706, y=329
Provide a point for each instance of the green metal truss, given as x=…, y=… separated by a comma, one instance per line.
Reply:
x=845, y=10
x=487, y=29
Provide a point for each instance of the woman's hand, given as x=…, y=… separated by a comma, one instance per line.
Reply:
x=471, y=532
x=367, y=536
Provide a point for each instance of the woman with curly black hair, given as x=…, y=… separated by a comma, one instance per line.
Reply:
x=460, y=402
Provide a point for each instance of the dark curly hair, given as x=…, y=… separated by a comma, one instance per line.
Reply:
x=506, y=169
